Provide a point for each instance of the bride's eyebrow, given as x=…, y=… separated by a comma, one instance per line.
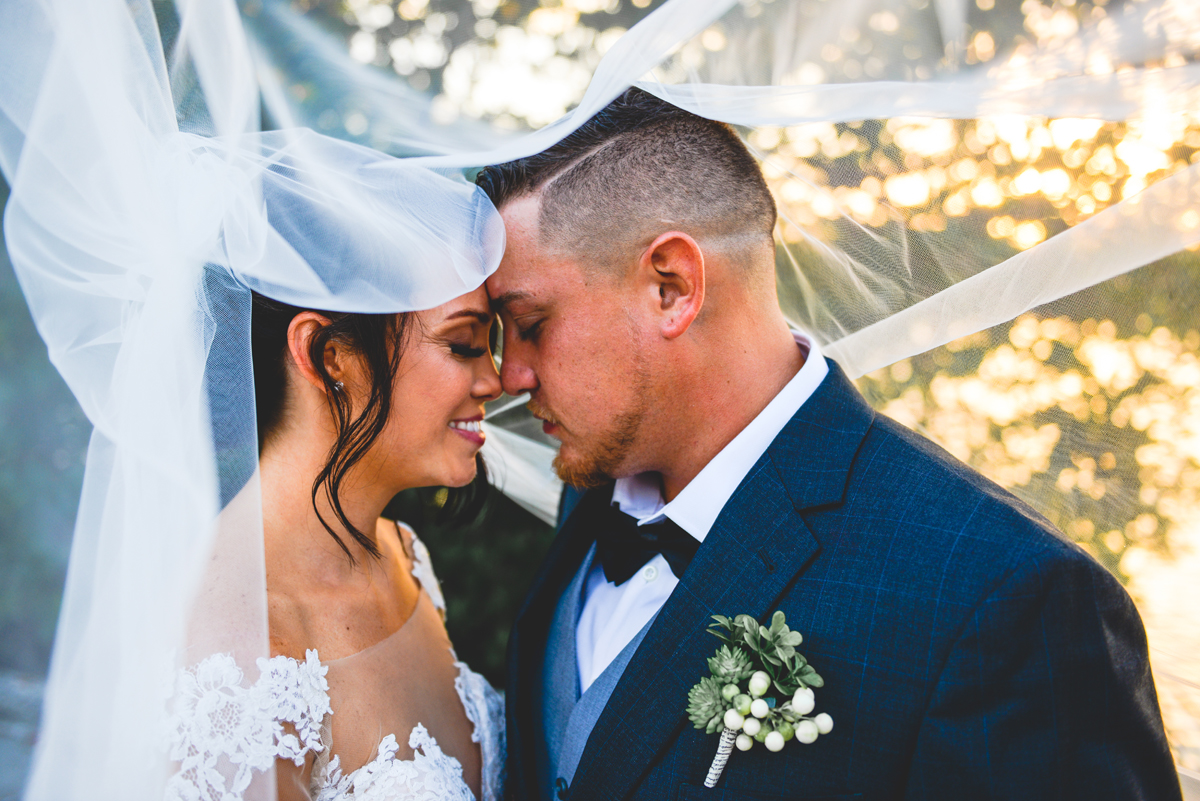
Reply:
x=483, y=318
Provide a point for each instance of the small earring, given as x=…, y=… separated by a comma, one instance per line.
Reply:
x=339, y=386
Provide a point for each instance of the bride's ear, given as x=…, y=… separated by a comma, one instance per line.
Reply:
x=675, y=265
x=301, y=332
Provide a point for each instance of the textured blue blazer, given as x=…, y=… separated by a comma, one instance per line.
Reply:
x=969, y=650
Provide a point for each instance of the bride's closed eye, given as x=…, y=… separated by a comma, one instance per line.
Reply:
x=466, y=351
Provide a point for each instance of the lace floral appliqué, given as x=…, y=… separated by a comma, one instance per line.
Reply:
x=221, y=731
x=431, y=775
x=485, y=709
x=422, y=570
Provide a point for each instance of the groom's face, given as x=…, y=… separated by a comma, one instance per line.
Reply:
x=572, y=342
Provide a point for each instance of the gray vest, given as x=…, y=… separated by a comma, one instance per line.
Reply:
x=567, y=717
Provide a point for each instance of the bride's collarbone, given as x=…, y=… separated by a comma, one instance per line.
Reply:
x=341, y=617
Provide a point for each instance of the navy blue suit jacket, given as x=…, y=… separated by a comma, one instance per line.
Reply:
x=969, y=650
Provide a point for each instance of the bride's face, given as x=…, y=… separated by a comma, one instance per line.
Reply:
x=446, y=374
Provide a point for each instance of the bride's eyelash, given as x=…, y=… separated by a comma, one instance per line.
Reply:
x=466, y=351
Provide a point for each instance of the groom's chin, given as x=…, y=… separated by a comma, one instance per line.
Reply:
x=581, y=473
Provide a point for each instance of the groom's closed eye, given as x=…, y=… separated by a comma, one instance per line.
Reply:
x=525, y=322
x=528, y=326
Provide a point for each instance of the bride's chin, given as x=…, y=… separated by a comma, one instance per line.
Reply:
x=464, y=477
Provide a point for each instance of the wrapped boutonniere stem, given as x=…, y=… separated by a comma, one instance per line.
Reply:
x=760, y=690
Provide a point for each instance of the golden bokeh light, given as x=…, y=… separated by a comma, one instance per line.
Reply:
x=1030, y=404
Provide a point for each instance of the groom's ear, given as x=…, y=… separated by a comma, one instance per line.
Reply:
x=674, y=265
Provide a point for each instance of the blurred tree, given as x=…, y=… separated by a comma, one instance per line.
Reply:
x=41, y=471
x=485, y=568
x=1086, y=408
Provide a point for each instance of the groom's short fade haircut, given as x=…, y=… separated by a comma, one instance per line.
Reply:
x=639, y=167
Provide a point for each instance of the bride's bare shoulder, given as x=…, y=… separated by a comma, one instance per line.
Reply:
x=395, y=540
x=288, y=633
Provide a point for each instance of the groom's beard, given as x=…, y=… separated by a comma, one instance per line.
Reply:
x=597, y=461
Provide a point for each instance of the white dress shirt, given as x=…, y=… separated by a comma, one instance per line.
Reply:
x=612, y=615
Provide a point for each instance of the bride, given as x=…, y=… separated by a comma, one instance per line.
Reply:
x=352, y=409
x=272, y=334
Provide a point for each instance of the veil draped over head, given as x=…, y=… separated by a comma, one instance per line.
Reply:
x=144, y=208
x=969, y=195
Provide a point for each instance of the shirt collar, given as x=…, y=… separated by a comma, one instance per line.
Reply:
x=695, y=509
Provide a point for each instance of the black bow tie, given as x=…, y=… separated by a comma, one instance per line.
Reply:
x=622, y=546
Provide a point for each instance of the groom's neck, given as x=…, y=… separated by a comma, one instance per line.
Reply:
x=736, y=373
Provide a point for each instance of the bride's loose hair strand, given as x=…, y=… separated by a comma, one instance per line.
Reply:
x=369, y=335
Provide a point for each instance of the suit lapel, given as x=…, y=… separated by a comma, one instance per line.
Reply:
x=527, y=641
x=815, y=450
x=757, y=547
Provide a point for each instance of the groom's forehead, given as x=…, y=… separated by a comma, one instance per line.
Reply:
x=510, y=298
x=522, y=220
x=529, y=271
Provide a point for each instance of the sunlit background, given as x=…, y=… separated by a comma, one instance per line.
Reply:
x=1089, y=408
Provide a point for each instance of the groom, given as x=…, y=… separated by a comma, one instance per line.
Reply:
x=969, y=651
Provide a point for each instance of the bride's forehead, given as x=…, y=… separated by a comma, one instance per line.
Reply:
x=471, y=307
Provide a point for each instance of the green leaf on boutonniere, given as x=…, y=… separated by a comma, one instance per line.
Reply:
x=773, y=647
x=810, y=678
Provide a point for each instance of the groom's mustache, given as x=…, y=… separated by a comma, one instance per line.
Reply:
x=541, y=412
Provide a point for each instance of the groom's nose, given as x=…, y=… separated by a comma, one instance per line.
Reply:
x=517, y=377
x=516, y=371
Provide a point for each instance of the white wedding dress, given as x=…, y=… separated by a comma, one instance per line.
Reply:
x=223, y=731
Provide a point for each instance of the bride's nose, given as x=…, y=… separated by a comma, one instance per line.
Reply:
x=486, y=386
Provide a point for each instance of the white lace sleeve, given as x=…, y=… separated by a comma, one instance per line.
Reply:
x=423, y=569
x=220, y=731
x=485, y=709
x=483, y=704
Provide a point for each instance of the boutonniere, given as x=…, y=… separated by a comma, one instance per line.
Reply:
x=760, y=690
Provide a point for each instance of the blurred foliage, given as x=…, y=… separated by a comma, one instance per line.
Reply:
x=41, y=471
x=516, y=64
x=1096, y=422
x=1019, y=179
x=485, y=568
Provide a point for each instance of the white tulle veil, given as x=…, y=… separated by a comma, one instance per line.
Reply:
x=146, y=205
x=137, y=236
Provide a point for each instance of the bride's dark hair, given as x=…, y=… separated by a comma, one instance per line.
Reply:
x=380, y=340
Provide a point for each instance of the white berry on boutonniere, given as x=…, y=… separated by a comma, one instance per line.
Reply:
x=764, y=661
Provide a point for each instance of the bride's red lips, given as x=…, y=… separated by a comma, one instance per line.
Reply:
x=469, y=428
